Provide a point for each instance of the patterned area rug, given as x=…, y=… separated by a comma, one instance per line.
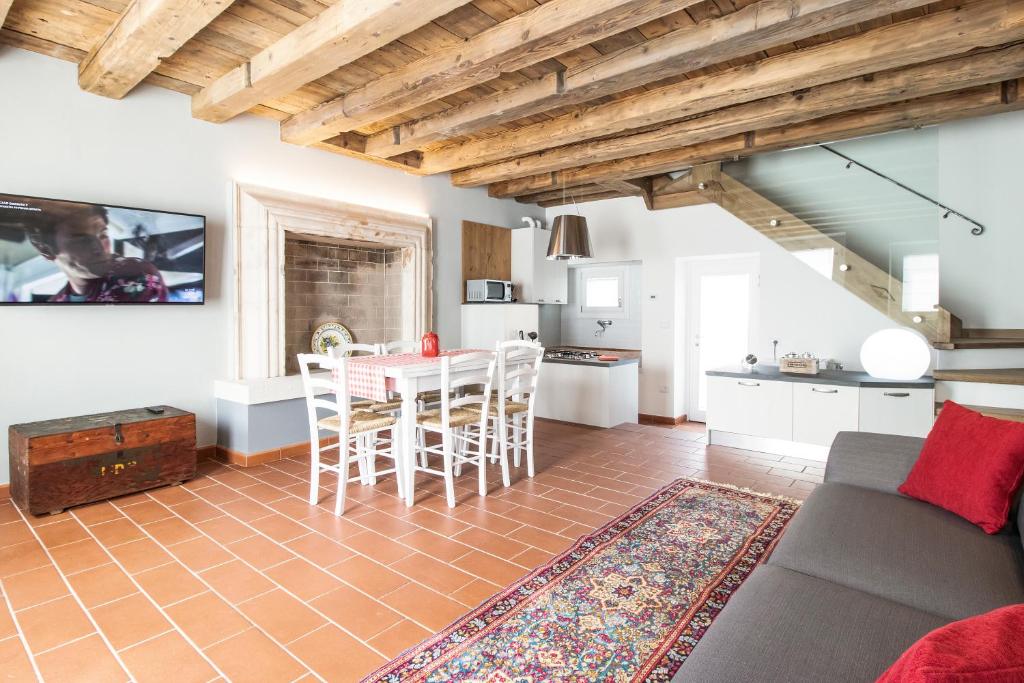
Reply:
x=626, y=603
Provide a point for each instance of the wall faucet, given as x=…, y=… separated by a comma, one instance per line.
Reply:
x=604, y=324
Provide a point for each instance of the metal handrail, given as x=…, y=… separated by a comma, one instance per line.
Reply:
x=978, y=228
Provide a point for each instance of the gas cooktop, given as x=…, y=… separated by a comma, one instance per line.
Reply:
x=570, y=354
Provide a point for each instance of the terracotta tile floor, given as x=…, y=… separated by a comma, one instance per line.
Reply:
x=234, y=576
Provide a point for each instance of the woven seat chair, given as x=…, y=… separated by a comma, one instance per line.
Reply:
x=461, y=420
x=359, y=432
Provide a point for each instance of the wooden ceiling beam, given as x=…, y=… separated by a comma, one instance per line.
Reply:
x=805, y=105
x=521, y=186
x=982, y=23
x=568, y=194
x=147, y=32
x=757, y=27
x=541, y=33
x=702, y=185
x=339, y=35
x=981, y=101
x=583, y=199
x=639, y=187
x=5, y=7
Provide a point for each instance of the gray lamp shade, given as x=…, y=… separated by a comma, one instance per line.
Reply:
x=570, y=239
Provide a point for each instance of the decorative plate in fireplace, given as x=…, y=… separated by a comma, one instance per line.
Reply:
x=329, y=335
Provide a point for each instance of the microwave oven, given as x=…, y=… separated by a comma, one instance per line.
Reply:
x=478, y=291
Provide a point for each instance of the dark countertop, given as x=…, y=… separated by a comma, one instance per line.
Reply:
x=595, y=363
x=839, y=377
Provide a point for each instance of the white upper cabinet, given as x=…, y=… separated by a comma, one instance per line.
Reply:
x=536, y=279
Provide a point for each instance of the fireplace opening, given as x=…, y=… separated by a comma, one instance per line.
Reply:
x=355, y=283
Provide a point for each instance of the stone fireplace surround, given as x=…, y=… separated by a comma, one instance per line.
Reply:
x=261, y=414
x=263, y=219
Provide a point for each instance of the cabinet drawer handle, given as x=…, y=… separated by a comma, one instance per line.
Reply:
x=824, y=391
x=749, y=384
x=897, y=394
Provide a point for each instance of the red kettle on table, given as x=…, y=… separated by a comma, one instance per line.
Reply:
x=430, y=346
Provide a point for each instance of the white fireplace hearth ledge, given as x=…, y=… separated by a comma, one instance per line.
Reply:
x=260, y=390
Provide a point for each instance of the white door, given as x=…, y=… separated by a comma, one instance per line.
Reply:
x=721, y=316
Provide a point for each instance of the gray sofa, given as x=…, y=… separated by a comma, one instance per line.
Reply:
x=859, y=575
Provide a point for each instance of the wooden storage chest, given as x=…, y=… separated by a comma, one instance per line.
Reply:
x=57, y=464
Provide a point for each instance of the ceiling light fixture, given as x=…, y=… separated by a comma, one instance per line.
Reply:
x=570, y=237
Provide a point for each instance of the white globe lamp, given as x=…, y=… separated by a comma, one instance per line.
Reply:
x=899, y=353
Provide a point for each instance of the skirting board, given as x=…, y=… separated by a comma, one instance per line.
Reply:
x=263, y=457
x=793, y=449
x=660, y=419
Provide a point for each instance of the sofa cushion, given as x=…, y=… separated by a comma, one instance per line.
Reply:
x=987, y=647
x=971, y=465
x=904, y=550
x=785, y=626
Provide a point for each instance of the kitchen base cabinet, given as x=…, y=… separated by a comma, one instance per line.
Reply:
x=820, y=411
x=907, y=412
x=799, y=416
x=601, y=396
x=751, y=406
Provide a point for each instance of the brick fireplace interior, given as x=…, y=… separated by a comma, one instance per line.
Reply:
x=358, y=284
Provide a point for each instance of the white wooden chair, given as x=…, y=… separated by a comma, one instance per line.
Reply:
x=463, y=429
x=359, y=431
x=512, y=411
x=401, y=346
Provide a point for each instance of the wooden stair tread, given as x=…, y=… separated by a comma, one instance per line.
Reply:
x=986, y=376
x=1013, y=414
x=980, y=343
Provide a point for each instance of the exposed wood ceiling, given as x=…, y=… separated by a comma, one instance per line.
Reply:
x=530, y=97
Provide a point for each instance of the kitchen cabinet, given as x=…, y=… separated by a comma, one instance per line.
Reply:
x=536, y=279
x=820, y=411
x=597, y=394
x=751, y=406
x=908, y=412
x=800, y=415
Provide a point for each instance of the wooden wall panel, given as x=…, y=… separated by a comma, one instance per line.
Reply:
x=486, y=253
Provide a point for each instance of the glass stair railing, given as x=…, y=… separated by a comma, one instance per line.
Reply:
x=875, y=233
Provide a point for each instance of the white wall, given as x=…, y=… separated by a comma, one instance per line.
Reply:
x=625, y=333
x=147, y=151
x=980, y=174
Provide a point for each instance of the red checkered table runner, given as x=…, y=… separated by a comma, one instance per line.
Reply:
x=366, y=378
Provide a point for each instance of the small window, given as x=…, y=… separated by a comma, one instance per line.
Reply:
x=602, y=291
x=920, y=282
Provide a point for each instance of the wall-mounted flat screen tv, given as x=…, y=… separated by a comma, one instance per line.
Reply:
x=63, y=252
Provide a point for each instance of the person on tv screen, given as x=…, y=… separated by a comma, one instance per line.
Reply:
x=75, y=237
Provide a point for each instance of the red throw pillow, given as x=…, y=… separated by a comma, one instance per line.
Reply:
x=970, y=465
x=988, y=648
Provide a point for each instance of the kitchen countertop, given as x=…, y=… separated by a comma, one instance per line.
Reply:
x=839, y=377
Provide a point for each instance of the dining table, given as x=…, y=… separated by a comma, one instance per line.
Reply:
x=406, y=375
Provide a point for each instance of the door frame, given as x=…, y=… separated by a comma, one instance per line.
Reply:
x=687, y=360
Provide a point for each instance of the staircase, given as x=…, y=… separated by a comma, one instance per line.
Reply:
x=856, y=274
x=973, y=387
x=983, y=339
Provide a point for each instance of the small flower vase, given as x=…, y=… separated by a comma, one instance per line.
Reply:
x=430, y=346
